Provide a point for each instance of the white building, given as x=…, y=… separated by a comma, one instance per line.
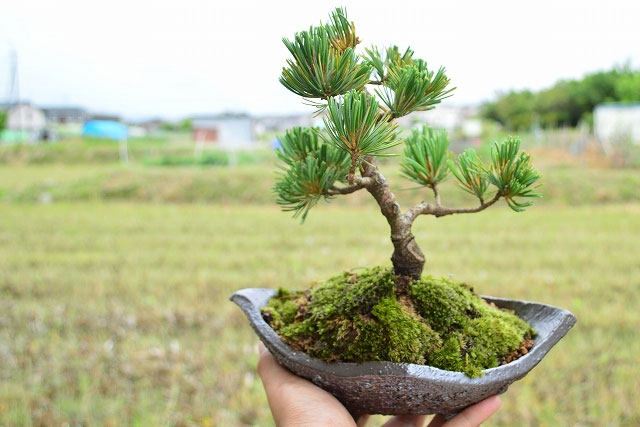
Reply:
x=26, y=120
x=616, y=123
x=225, y=130
x=25, y=117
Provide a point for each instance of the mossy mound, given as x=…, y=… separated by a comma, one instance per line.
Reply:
x=358, y=317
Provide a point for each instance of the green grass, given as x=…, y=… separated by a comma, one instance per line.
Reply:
x=170, y=149
x=114, y=310
x=561, y=184
x=118, y=313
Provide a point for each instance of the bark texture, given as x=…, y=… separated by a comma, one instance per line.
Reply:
x=407, y=258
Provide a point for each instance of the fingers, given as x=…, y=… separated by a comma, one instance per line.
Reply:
x=272, y=374
x=406, y=421
x=296, y=401
x=362, y=420
x=472, y=416
x=275, y=378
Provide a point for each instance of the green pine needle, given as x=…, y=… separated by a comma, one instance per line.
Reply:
x=356, y=126
x=324, y=63
x=376, y=61
x=425, y=157
x=413, y=87
x=297, y=144
x=512, y=173
x=310, y=169
x=342, y=33
x=326, y=71
x=382, y=61
x=470, y=173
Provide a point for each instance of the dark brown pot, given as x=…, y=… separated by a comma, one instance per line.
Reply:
x=402, y=388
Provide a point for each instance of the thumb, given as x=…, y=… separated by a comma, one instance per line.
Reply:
x=472, y=416
x=406, y=421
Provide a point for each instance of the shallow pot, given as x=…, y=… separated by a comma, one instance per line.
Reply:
x=403, y=388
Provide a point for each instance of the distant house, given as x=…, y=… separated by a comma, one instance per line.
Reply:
x=24, y=122
x=64, y=122
x=65, y=115
x=225, y=130
x=104, y=116
x=614, y=123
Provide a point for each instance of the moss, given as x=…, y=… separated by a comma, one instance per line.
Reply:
x=406, y=337
x=358, y=317
x=282, y=308
x=476, y=335
x=446, y=304
x=350, y=292
x=449, y=356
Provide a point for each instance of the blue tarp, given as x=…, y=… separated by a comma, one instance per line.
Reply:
x=105, y=129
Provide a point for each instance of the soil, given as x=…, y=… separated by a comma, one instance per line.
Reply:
x=516, y=354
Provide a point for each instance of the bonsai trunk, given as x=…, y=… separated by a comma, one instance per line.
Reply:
x=408, y=260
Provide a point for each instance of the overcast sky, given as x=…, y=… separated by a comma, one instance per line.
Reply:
x=176, y=58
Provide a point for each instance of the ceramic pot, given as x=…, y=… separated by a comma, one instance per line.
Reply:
x=390, y=388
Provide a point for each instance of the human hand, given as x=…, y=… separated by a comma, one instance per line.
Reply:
x=295, y=401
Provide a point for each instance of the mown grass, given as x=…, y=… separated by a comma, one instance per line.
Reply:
x=118, y=313
x=561, y=183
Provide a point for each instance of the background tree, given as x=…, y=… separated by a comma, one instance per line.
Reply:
x=514, y=110
x=360, y=127
x=566, y=103
x=627, y=88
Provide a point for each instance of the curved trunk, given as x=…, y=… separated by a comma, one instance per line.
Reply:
x=407, y=258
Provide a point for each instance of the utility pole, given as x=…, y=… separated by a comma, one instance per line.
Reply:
x=14, y=87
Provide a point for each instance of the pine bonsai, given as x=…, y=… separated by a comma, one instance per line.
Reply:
x=388, y=314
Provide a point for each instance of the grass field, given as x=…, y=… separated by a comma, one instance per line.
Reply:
x=114, y=281
x=118, y=313
x=251, y=184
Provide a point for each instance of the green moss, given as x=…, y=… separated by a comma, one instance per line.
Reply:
x=490, y=338
x=446, y=304
x=358, y=317
x=282, y=308
x=406, y=337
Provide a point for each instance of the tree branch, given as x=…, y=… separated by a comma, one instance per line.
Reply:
x=375, y=82
x=425, y=208
x=359, y=184
x=379, y=189
x=436, y=194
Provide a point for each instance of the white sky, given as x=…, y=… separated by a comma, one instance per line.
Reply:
x=176, y=58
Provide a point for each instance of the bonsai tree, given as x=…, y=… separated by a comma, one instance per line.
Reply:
x=341, y=161
x=361, y=96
